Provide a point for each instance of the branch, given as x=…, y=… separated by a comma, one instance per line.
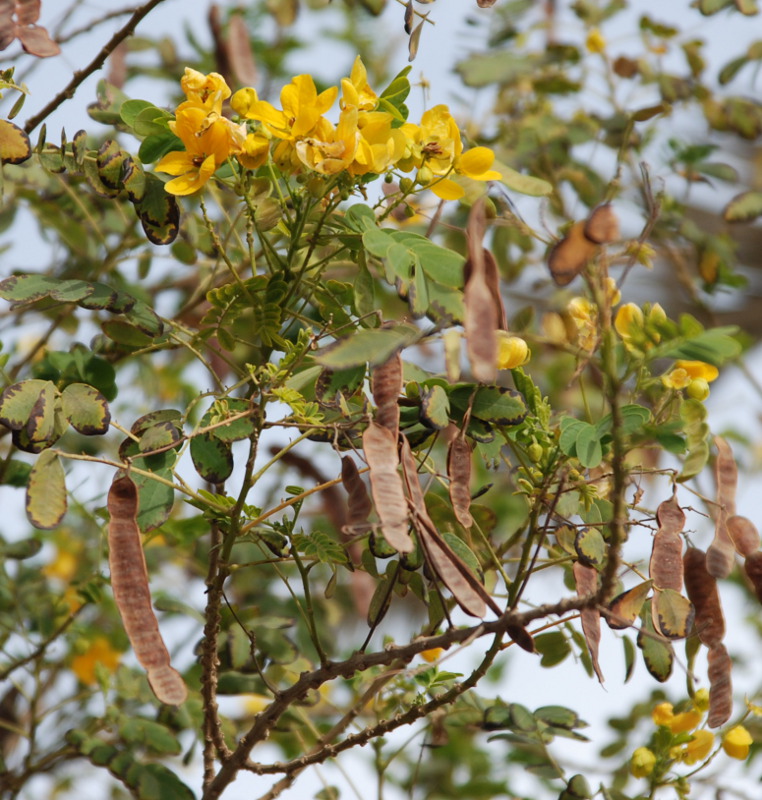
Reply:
x=80, y=76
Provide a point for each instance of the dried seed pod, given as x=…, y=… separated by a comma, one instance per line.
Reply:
x=129, y=581
x=386, y=386
x=753, y=569
x=726, y=475
x=459, y=472
x=666, y=566
x=569, y=256
x=744, y=535
x=721, y=555
x=670, y=516
x=720, y=686
x=380, y=448
x=602, y=225
x=701, y=588
x=586, y=580
x=359, y=505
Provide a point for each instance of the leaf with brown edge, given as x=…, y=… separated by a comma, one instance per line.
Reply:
x=744, y=535
x=459, y=473
x=672, y=613
x=586, y=581
x=358, y=502
x=14, y=143
x=701, y=588
x=624, y=609
x=46, y=492
x=129, y=581
x=657, y=651
x=86, y=409
x=720, y=686
x=569, y=256
x=602, y=226
x=451, y=570
x=386, y=387
x=753, y=569
x=380, y=448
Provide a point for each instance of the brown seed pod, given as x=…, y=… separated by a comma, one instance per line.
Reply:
x=720, y=686
x=670, y=516
x=586, y=580
x=569, y=256
x=666, y=565
x=380, y=448
x=129, y=581
x=726, y=475
x=701, y=588
x=753, y=569
x=459, y=472
x=744, y=535
x=359, y=505
x=386, y=386
x=602, y=225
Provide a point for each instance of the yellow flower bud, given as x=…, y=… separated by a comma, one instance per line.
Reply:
x=662, y=714
x=595, y=42
x=701, y=700
x=686, y=721
x=432, y=654
x=736, y=742
x=512, y=351
x=642, y=762
x=629, y=320
x=698, y=389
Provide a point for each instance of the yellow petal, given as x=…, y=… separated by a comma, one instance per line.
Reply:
x=193, y=180
x=476, y=161
x=736, y=742
x=446, y=189
x=178, y=162
x=698, y=369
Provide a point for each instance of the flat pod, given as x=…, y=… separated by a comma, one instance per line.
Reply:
x=380, y=449
x=670, y=516
x=744, y=535
x=386, y=386
x=459, y=473
x=753, y=569
x=602, y=226
x=701, y=588
x=586, y=580
x=666, y=566
x=358, y=502
x=129, y=581
x=569, y=256
x=720, y=686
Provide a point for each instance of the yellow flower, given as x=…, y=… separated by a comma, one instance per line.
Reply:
x=302, y=108
x=209, y=140
x=355, y=90
x=99, y=652
x=595, y=42
x=512, y=351
x=642, y=762
x=432, y=655
x=736, y=742
x=254, y=151
x=685, y=721
x=208, y=91
x=585, y=316
x=662, y=714
x=701, y=700
x=697, y=749
x=379, y=144
x=686, y=371
x=63, y=566
x=330, y=150
x=629, y=321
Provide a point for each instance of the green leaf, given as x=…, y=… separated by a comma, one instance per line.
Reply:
x=158, y=212
x=744, y=207
x=634, y=417
x=629, y=657
x=104, y=298
x=150, y=121
x=86, y=409
x=590, y=547
x=162, y=434
x=155, y=498
x=212, y=458
x=131, y=108
x=331, y=383
x=559, y=716
x=714, y=346
x=435, y=407
x=495, y=405
x=392, y=99
x=554, y=648
x=673, y=613
x=150, y=734
x=18, y=400
x=143, y=317
x=110, y=100
x=360, y=218
x=523, y=184
x=123, y=333
x=371, y=345
x=322, y=547
x=625, y=607
x=158, y=145
x=588, y=446
x=570, y=428
x=157, y=782
x=657, y=652
x=46, y=492
x=21, y=550
x=27, y=288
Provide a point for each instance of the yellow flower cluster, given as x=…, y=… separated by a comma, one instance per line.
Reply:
x=736, y=742
x=638, y=330
x=693, y=376
x=584, y=313
x=100, y=651
x=366, y=139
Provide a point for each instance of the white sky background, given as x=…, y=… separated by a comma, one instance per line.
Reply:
x=733, y=403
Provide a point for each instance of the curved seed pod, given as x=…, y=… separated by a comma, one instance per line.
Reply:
x=459, y=472
x=359, y=505
x=380, y=448
x=670, y=516
x=666, y=566
x=720, y=686
x=602, y=226
x=726, y=475
x=701, y=588
x=570, y=255
x=753, y=569
x=744, y=535
x=129, y=581
x=386, y=386
x=586, y=580
x=721, y=555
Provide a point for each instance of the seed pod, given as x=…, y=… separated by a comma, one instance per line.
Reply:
x=386, y=486
x=602, y=225
x=459, y=472
x=129, y=581
x=720, y=686
x=726, y=475
x=670, y=516
x=586, y=580
x=386, y=386
x=753, y=569
x=744, y=535
x=359, y=505
x=570, y=255
x=701, y=588
x=666, y=566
